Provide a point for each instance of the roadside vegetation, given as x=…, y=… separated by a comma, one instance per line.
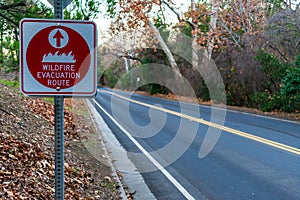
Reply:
x=254, y=44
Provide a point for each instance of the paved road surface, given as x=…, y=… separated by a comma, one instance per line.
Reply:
x=254, y=158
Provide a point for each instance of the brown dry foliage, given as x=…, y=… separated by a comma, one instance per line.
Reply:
x=27, y=153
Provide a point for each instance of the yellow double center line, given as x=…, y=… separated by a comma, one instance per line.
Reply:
x=218, y=126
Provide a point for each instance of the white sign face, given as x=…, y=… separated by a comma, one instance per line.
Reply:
x=58, y=57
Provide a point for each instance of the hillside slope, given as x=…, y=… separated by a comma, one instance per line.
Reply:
x=27, y=153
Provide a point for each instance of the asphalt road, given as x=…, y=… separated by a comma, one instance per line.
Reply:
x=254, y=157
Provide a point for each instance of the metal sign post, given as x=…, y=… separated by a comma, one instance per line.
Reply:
x=66, y=65
x=59, y=127
x=65, y=3
x=59, y=146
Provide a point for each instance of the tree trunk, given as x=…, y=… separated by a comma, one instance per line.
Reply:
x=213, y=25
x=164, y=47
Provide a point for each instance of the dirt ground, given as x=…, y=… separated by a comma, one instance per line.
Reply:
x=27, y=151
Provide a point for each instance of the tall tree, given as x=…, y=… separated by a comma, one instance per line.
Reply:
x=136, y=14
x=283, y=33
x=11, y=12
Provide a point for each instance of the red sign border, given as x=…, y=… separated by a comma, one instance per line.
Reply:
x=58, y=93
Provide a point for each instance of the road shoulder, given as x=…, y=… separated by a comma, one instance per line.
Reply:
x=132, y=181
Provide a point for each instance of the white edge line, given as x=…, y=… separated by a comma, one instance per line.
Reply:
x=141, y=148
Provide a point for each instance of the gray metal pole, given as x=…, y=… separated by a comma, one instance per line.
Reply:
x=59, y=127
x=58, y=9
x=59, y=147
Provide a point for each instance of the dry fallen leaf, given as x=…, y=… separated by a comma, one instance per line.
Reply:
x=27, y=152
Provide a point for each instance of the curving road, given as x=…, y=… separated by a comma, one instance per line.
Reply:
x=254, y=157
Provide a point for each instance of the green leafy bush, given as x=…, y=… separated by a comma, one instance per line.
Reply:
x=111, y=76
x=153, y=88
x=290, y=88
x=267, y=101
x=291, y=82
x=287, y=97
x=273, y=69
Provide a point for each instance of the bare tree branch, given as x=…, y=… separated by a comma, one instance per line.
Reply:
x=124, y=55
x=231, y=33
x=130, y=57
x=177, y=14
x=8, y=19
x=10, y=6
x=279, y=52
x=173, y=10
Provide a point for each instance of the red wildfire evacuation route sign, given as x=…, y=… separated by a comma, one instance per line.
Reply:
x=58, y=57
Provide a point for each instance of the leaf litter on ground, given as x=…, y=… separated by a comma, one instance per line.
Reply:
x=27, y=152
